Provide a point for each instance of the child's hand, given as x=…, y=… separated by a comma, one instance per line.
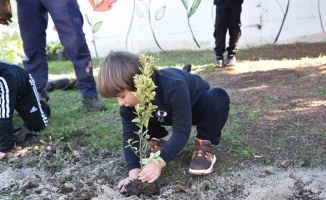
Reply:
x=2, y=155
x=151, y=172
x=133, y=174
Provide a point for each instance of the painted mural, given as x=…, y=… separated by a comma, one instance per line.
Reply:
x=163, y=25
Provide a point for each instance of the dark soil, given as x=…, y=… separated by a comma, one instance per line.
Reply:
x=273, y=145
x=136, y=187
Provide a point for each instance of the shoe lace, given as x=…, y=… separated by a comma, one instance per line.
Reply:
x=199, y=153
x=202, y=150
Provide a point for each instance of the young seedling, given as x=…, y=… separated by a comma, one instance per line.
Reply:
x=145, y=94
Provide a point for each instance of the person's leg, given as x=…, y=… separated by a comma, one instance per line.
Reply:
x=69, y=23
x=234, y=28
x=31, y=109
x=8, y=93
x=210, y=115
x=213, y=116
x=220, y=30
x=33, y=20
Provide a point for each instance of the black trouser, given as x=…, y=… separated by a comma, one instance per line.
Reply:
x=210, y=114
x=227, y=19
x=27, y=103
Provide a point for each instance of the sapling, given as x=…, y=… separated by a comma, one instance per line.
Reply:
x=145, y=94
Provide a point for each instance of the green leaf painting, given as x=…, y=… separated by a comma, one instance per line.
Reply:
x=97, y=26
x=193, y=8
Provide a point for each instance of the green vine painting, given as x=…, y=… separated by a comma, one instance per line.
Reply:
x=98, y=6
x=195, y=4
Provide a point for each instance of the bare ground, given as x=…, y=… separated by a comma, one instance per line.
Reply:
x=273, y=146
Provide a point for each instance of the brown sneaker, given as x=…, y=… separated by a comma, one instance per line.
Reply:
x=203, y=158
x=154, y=146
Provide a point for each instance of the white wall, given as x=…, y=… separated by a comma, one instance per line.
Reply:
x=261, y=22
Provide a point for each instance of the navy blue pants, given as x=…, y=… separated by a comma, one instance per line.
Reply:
x=18, y=92
x=209, y=116
x=33, y=21
x=227, y=19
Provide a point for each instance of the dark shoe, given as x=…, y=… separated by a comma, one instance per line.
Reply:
x=56, y=84
x=71, y=85
x=231, y=60
x=44, y=96
x=154, y=146
x=20, y=135
x=203, y=158
x=218, y=62
x=187, y=67
x=6, y=146
x=46, y=108
x=23, y=134
x=93, y=104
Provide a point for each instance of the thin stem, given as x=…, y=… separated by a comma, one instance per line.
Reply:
x=93, y=41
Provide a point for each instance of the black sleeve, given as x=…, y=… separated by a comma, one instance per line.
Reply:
x=129, y=128
x=156, y=130
x=180, y=105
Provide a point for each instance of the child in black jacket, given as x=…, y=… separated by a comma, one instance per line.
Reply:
x=18, y=92
x=228, y=18
x=183, y=100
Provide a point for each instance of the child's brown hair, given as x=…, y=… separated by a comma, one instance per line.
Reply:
x=117, y=73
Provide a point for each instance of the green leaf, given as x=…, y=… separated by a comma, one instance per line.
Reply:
x=87, y=19
x=194, y=7
x=144, y=161
x=136, y=120
x=157, y=154
x=97, y=27
x=184, y=2
x=153, y=107
x=146, y=122
x=159, y=159
x=129, y=140
x=160, y=13
x=154, y=161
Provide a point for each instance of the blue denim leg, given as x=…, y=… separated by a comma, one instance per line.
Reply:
x=69, y=22
x=33, y=20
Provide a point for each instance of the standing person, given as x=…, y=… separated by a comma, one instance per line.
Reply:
x=183, y=100
x=33, y=21
x=18, y=92
x=228, y=18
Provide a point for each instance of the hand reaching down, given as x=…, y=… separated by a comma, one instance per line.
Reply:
x=151, y=172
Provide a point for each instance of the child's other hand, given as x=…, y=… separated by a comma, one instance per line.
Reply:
x=151, y=172
x=133, y=174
